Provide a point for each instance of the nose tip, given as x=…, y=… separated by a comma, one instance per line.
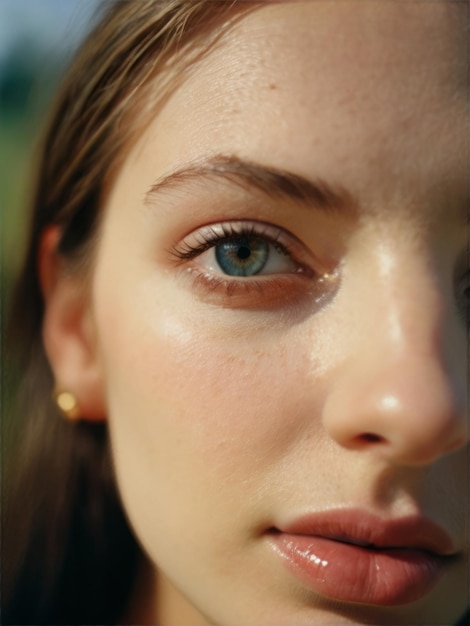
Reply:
x=410, y=420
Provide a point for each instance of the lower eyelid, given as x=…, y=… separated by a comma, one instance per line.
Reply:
x=261, y=293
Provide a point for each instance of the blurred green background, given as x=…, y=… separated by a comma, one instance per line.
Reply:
x=37, y=39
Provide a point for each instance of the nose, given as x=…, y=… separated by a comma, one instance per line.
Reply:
x=400, y=392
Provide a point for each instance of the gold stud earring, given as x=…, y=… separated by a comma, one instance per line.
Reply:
x=67, y=404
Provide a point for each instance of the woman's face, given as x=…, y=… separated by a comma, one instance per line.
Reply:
x=279, y=305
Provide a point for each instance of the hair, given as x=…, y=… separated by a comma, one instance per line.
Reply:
x=69, y=555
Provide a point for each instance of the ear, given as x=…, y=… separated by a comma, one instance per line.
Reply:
x=69, y=332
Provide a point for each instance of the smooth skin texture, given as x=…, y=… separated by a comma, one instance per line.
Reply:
x=234, y=407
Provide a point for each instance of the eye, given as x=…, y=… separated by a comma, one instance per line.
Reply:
x=243, y=250
x=253, y=265
x=463, y=297
x=247, y=255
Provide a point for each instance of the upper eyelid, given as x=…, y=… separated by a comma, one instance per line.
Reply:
x=275, y=234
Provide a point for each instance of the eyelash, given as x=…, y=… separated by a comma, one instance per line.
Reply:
x=274, y=284
x=230, y=232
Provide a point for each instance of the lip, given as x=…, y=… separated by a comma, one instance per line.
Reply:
x=353, y=556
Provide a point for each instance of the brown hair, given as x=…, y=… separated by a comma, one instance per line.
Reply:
x=69, y=556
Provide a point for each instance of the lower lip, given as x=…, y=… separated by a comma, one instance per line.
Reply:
x=351, y=573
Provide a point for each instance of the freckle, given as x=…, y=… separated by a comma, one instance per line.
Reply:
x=272, y=86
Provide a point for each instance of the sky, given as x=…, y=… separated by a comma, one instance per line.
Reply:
x=55, y=25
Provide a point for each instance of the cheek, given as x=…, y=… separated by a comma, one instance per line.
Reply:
x=175, y=386
x=194, y=405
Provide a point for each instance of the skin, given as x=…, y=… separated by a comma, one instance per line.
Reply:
x=231, y=410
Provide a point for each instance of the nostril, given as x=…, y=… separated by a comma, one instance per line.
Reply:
x=370, y=438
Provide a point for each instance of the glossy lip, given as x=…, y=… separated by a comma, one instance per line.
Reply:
x=353, y=556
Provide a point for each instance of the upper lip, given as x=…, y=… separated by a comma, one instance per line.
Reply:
x=362, y=528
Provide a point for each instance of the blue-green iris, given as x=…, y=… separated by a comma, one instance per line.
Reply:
x=243, y=256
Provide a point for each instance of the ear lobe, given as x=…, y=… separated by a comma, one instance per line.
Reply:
x=68, y=330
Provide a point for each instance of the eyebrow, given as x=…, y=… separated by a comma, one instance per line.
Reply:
x=277, y=183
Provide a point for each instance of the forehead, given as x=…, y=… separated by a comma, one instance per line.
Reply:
x=314, y=82
x=346, y=37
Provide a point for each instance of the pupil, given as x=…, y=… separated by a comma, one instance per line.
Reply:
x=243, y=252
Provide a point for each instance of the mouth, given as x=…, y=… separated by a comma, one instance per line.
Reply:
x=352, y=556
